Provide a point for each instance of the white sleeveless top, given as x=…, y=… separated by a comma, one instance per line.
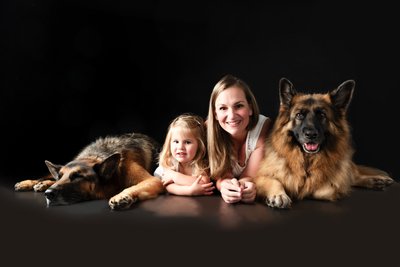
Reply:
x=160, y=169
x=251, y=141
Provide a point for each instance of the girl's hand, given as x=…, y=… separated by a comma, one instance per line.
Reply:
x=166, y=181
x=204, y=179
x=199, y=188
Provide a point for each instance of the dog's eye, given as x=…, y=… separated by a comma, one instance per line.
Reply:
x=74, y=176
x=299, y=116
x=321, y=114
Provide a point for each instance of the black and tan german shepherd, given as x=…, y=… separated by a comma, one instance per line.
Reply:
x=115, y=167
x=309, y=151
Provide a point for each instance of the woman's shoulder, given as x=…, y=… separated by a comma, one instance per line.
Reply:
x=262, y=118
x=265, y=129
x=265, y=123
x=256, y=137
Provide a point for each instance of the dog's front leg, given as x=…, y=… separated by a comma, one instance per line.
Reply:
x=38, y=185
x=272, y=192
x=148, y=188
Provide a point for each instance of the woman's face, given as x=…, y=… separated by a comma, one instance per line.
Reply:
x=232, y=111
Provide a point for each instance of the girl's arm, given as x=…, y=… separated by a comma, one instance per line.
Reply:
x=175, y=189
x=183, y=179
x=195, y=189
x=159, y=172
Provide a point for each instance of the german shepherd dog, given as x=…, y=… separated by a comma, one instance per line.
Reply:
x=309, y=152
x=115, y=167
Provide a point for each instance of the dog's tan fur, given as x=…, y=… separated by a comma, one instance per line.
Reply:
x=287, y=172
x=115, y=168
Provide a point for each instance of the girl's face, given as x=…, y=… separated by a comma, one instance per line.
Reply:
x=183, y=145
x=232, y=111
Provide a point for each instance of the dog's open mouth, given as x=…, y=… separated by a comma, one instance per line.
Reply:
x=311, y=147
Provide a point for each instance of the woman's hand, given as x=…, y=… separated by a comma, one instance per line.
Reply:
x=249, y=191
x=234, y=190
x=231, y=190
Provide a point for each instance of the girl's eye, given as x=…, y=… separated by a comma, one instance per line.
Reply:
x=188, y=142
x=222, y=108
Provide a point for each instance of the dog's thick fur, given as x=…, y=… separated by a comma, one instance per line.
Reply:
x=309, y=151
x=115, y=167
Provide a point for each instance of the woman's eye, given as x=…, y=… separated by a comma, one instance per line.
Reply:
x=238, y=106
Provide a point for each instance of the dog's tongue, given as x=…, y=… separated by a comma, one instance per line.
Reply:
x=311, y=146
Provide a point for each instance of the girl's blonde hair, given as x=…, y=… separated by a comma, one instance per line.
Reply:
x=194, y=124
x=220, y=148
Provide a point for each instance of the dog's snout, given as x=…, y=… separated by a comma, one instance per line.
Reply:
x=310, y=133
x=50, y=194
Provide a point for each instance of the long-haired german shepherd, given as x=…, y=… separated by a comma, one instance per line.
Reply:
x=309, y=151
x=115, y=167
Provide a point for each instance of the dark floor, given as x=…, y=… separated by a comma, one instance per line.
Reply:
x=363, y=228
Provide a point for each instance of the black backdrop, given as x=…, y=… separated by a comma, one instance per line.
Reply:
x=76, y=70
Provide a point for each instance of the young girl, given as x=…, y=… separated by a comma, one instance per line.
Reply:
x=183, y=165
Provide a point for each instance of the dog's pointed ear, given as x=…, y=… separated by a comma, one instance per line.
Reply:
x=107, y=167
x=341, y=96
x=286, y=92
x=54, y=169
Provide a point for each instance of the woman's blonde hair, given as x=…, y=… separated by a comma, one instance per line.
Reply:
x=220, y=150
x=194, y=124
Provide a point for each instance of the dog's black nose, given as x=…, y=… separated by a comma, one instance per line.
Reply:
x=50, y=194
x=310, y=133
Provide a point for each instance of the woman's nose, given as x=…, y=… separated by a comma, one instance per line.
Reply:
x=230, y=113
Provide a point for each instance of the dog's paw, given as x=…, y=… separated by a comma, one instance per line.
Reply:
x=281, y=201
x=40, y=187
x=380, y=183
x=25, y=185
x=121, y=201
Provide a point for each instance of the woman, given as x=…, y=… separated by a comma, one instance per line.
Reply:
x=236, y=135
